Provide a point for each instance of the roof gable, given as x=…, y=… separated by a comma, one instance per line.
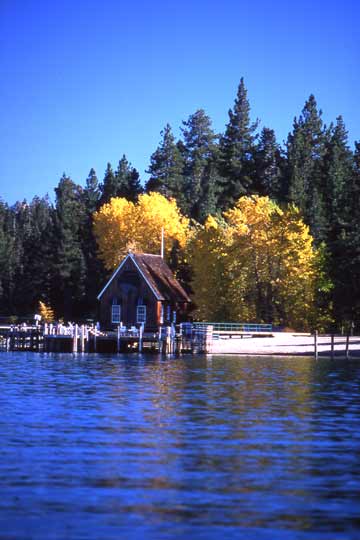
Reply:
x=156, y=274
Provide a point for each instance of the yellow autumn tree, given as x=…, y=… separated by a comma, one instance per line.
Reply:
x=46, y=312
x=120, y=226
x=274, y=248
x=207, y=253
x=263, y=264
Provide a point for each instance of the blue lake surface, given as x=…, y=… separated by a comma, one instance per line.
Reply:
x=125, y=447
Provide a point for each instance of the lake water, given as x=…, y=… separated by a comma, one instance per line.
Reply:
x=125, y=447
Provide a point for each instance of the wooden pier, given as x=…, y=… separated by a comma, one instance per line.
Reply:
x=56, y=338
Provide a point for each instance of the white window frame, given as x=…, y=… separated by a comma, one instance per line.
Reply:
x=116, y=314
x=162, y=313
x=140, y=314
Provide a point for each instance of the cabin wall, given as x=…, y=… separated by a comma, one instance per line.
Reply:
x=126, y=288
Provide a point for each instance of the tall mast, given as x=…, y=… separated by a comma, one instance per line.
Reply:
x=162, y=243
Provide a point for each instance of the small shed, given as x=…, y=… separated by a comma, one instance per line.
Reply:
x=142, y=289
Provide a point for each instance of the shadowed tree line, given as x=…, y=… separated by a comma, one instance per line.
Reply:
x=48, y=251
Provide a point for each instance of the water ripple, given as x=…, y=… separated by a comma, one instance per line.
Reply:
x=109, y=447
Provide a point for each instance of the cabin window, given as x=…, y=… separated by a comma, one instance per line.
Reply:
x=162, y=314
x=115, y=312
x=141, y=314
x=168, y=313
x=174, y=317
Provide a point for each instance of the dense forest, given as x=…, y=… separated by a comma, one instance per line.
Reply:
x=48, y=251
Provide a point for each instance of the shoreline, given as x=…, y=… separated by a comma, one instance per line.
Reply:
x=287, y=344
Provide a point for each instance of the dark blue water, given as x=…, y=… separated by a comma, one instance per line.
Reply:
x=127, y=447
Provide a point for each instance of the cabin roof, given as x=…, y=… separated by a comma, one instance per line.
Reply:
x=157, y=275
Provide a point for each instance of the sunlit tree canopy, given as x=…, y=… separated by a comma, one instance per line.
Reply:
x=121, y=225
x=258, y=264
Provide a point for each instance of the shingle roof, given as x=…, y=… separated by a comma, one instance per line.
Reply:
x=160, y=277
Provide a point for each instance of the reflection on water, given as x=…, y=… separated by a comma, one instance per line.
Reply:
x=109, y=447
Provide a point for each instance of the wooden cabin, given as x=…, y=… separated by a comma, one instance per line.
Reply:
x=142, y=289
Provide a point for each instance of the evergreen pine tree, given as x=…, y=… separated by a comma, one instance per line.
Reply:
x=127, y=181
x=92, y=192
x=269, y=166
x=38, y=256
x=95, y=272
x=68, y=287
x=109, y=186
x=201, y=176
x=305, y=153
x=6, y=272
x=18, y=228
x=354, y=240
x=338, y=170
x=237, y=149
x=166, y=169
x=337, y=174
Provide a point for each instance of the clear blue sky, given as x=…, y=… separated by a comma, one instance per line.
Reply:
x=84, y=81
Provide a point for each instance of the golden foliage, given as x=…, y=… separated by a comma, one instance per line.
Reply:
x=207, y=253
x=46, y=312
x=120, y=226
x=258, y=265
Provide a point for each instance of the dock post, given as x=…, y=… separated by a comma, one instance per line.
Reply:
x=75, y=340
x=82, y=338
x=209, y=339
x=12, y=340
x=87, y=349
x=316, y=344
x=172, y=338
x=118, y=339
x=181, y=337
x=141, y=333
x=347, y=346
x=332, y=346
x=168, y=340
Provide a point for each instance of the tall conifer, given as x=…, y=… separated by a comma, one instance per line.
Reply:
x=166, y=169
x=108, y=186
x=305, y=153
x=237, y=149
x=269, y=165
x=69, y=277
x=127, y=181
x=200, y=169
x=95, y=273
x=338, y=170
x=92, y=192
